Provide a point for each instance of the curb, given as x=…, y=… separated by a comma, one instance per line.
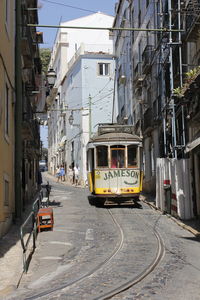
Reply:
x=178, y=222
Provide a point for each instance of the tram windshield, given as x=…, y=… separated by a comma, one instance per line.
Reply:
x=117, y=157
x=102, y=156
x=132, y=156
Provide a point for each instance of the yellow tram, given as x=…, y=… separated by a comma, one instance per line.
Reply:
x=114, y=162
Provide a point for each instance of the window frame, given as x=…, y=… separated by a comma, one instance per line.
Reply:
x=137, y=157
x=103, y=64
x=97, y=165
x=6, y=183
x=7, y=16
x=121, y=148
x=7, y=112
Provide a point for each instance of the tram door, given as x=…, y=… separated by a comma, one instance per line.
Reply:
x=117, y=155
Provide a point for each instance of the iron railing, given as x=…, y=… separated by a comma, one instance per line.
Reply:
x=29, y=229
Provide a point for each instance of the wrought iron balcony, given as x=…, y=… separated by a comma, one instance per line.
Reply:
x=148, y=119
x=147, y=58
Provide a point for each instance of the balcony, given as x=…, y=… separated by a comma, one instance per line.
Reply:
x=147, y=59
x=148, y=119
x=138, y=76
x=192, y=24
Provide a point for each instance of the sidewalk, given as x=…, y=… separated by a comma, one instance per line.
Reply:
x=11, y=253
x=11, y=259
x=191, y=225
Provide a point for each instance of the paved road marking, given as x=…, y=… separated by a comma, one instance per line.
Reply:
x=69, y=230
x=60, y=243
x=51, y=257
x=89, y=236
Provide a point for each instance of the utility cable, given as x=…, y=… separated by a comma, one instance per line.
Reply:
x=70, y=6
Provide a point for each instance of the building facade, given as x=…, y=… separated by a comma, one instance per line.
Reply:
x=164, y=47
x=20, y=71
x=88, y=95
x=7, y=118
x=84, y=64
x=28, y=97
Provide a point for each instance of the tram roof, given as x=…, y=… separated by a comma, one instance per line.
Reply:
x=116, y=137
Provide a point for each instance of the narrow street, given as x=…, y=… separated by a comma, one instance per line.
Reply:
x=100, y=149
x=97, y=252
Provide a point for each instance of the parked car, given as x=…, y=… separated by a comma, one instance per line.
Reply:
x=42, y=165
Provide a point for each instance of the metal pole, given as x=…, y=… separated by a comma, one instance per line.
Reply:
x=18, y=113
x=107, y=28
x=90, y=116
x=181, y=68
x=172, y=83
x=162, y=86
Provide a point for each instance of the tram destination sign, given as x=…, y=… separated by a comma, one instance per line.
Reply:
x=129, y=177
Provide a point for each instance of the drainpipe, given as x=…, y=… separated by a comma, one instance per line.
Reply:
x=90, y=116
x=181, y=70
x=172, y=104
x=18, y=113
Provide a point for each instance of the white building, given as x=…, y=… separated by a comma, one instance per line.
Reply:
x=88, y=96
x=84, y=64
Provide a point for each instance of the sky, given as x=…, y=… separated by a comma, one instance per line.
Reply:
x=52, y=12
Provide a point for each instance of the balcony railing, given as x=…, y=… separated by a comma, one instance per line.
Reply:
x=147, y=58
x=138, y=76
x=148, y=119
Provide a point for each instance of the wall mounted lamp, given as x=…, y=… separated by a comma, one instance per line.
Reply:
x=51, y=77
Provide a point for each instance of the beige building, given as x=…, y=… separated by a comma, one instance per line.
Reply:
x=7, y=100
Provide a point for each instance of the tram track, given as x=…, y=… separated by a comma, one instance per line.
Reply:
x=129, y=284
x=116, y=290
x=92, y=272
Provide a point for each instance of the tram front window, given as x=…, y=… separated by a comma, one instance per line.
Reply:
x=117, y=158
x=102, y=156
x=132, y=156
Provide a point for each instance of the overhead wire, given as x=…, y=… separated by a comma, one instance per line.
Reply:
x=70, y=6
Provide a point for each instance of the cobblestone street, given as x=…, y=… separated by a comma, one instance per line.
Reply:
x=87, y=255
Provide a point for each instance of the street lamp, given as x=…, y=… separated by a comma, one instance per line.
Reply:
x=71, y=119
x=51, y=77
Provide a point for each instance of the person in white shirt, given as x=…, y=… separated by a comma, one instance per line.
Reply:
x=76, y=173
x=58, y=175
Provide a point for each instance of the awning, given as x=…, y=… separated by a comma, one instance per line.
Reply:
x=192, y=145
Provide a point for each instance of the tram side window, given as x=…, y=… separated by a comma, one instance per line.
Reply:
x=132, y=156
x=102, y=156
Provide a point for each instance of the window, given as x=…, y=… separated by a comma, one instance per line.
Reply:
x=102, y=156
x=72, y=151
x=117, y=157
x=103, y=69
x=7, y=110
x=152, y=160
x=6, y=192
x=132, y=156
x=7, y=14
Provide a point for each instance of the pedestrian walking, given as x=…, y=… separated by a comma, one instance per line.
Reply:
x=76, y=174
x=70, y=173
x=62, y=173
x=58, y=173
